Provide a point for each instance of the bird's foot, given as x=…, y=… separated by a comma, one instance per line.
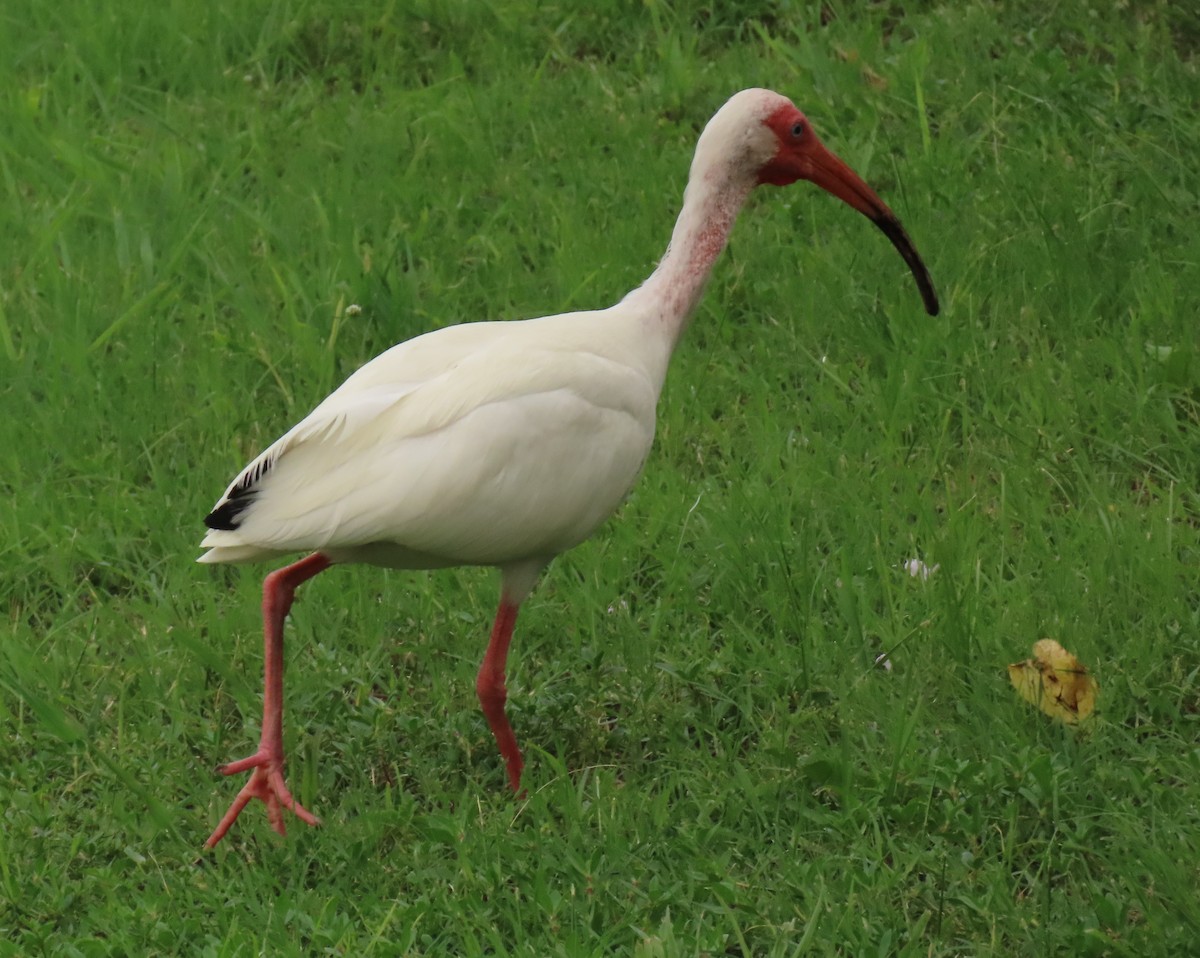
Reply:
x=266, y=783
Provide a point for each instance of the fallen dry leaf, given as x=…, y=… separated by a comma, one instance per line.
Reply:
x=1056, y=682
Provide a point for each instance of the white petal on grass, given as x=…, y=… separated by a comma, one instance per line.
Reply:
x=918, y=569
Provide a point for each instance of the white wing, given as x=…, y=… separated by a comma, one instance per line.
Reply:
x=477, y=444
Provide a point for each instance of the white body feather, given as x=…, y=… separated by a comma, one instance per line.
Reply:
x=483, y=444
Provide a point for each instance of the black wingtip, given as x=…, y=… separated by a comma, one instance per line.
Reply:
x=228, y=515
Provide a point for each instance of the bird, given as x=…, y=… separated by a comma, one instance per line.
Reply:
x=502, y=443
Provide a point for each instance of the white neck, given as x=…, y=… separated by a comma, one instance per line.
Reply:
x=711, y=203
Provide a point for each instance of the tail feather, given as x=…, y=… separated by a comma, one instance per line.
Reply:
x=235, y=553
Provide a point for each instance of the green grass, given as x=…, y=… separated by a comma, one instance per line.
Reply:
x=192, y=195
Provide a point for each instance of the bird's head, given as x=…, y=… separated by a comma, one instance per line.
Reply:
x=775, y=142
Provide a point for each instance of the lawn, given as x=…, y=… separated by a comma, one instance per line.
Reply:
x=750, y=731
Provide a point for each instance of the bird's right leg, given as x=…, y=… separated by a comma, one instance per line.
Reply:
x=493, y=693
x=266, y=779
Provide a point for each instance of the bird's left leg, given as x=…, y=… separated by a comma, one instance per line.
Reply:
x=266, y=779
x=493, y=693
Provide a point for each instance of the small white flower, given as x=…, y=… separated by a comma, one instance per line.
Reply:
x=353, y=309
x=882, y=661
x=919, y=570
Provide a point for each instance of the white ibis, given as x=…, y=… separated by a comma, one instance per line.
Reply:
x=502, y=443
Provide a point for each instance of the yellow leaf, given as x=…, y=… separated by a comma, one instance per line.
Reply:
x=1056, y=682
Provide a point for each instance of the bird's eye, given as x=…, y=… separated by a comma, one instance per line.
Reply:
x=797, y=131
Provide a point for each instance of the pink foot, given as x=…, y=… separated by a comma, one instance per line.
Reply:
x=266, y=783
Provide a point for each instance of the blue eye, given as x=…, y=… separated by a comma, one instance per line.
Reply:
x=798, y=130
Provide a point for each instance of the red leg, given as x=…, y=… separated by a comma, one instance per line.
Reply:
x=490, y=688
x=266, y=779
